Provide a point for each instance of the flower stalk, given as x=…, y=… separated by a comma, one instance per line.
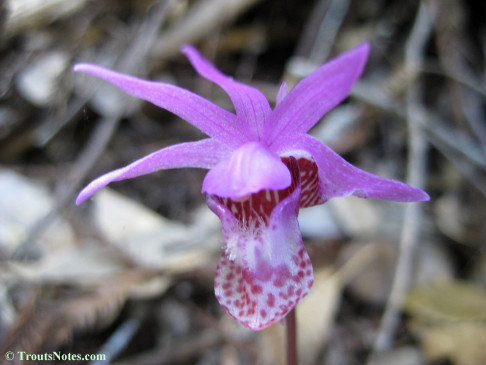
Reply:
x=291, y=326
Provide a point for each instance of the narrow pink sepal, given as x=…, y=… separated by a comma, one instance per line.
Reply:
x=252, y=107
x=249, y=169
x=208, y=117
x=203, y=154
x=339, y=178
x=315, y=95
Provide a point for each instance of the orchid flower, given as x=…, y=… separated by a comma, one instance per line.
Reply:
x=263, y=167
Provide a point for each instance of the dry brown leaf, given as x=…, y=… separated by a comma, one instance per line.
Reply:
x=464, y=343
x=38, y=82
x=450, y=320
x=316, y=314
x=358, y=217
x=25, y=14
x=448, y=301
x=16, y=193
x=82, y=265
x=151, y=240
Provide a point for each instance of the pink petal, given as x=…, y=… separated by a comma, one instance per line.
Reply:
x=265, y=270
x=339, y=178
x=250, y=104
x=249, y=169
x=204, y=154
x=315, y=95
x=208, y=117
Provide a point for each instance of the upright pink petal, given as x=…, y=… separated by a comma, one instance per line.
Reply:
x=204, y=154
x=208, y=117
x=265, y=270
x=339, y=178
x=315, y=95
x=247, y=170
x=252, y=107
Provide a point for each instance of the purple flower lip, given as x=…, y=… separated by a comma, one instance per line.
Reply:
x=263, y=167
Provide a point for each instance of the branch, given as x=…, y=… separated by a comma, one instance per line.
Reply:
x=416, y=170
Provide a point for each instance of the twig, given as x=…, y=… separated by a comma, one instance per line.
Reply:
x=462, y=164
x=463, y=151
x=452, y=139
x=322, y=28
x=202, y=18
x=117, y=341
x=415, y=176
x=461, y=77
x=308, y=38
x=456, y=141
x=25, y=13
x=191, y=347
x=208, y=321
x=328, y=30
x=451, y=46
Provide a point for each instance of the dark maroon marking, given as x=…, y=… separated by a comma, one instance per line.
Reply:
x=290, y=290
x=309, y=175
x=271, y=300
x=258, y=207
x=256, y=289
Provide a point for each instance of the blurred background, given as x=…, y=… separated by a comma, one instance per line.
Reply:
x=129, y=274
